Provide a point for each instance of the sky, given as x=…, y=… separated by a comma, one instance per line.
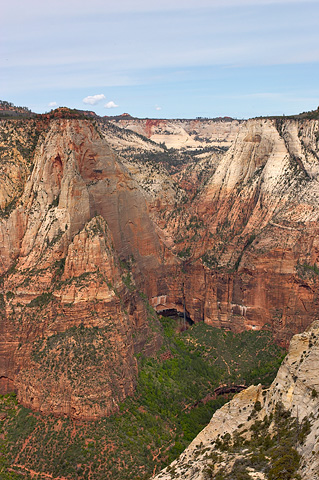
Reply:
x=161, y=59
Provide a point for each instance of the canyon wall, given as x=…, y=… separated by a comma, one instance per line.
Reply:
x=74, y=253
x=186, y=134
x=90, y=238
x=250, y=244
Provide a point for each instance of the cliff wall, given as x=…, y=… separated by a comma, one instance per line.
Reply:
x=87, y=239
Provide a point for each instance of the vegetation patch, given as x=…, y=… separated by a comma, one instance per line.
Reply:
x=82, y=356
x=41, y=300
x=269, y=447
x=304, y=270
x=173, y=401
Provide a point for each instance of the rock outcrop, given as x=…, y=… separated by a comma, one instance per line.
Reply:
x=251, y=230
x=254, y=229
x=74, y=253
x=186, y=134
x=241, y=437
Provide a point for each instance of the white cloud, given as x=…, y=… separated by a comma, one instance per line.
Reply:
x=94, y=99
x=110, y=104
x=157, y=107
x=52, y=104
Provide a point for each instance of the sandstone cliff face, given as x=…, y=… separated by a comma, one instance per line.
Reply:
x=17, y=142
x=294, y=394
x=70, y=252
x=90, y=235
x=186, y=134
x=255, y=230
x=138, y=154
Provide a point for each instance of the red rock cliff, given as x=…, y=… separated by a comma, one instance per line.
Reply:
x=70, y=254
x=88, y=240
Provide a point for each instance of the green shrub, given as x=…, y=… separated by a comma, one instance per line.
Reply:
x=41, y=300
x=156, y=424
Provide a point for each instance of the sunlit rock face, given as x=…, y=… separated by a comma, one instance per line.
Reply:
x=257, y=233
x=69, y=251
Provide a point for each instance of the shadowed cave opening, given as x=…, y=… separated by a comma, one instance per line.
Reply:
x=183, y=319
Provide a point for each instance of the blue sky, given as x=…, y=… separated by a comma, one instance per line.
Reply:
x=165, y=59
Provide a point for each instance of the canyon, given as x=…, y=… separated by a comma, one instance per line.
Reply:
x=91, y=235
x=107, y=223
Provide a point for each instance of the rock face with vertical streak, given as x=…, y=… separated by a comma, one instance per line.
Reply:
x=256, y=232
x=69, y=252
